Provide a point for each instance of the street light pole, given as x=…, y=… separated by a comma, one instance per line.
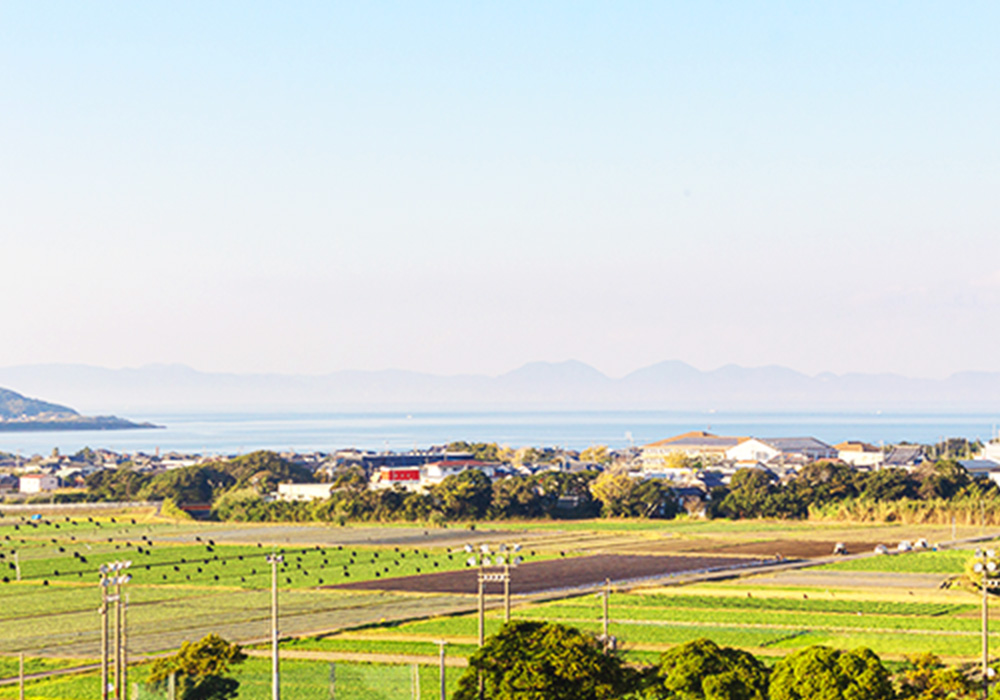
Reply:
x=117, y=579
x=274, y=560
x=987, y=567
x=482, y=560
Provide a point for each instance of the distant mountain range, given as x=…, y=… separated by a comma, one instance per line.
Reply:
x=664, y=386
x=19, y=413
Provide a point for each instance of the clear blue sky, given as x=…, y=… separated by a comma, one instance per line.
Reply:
x=463, y=187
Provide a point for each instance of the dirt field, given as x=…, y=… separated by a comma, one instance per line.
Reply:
x=554, y=574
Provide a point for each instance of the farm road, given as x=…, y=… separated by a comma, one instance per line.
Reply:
x=355, y=656
x=852, y=579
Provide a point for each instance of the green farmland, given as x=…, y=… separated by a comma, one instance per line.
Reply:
x=192, y=578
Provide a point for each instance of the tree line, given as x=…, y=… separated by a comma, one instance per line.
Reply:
x=238, y=489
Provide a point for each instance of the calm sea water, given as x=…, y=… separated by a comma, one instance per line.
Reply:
x=232, y=433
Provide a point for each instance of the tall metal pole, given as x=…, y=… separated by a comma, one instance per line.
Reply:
x=482, y=609
x=104, y=636
x=986, y=638
x=117, y=638
x=124, y=691
x=275, y=559
x=607, y=595
x=506, y=592
x=443, y=690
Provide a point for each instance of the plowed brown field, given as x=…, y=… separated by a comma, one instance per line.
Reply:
x=555, y=574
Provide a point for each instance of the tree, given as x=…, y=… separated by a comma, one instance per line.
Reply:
x=943, y=480
x=924, y=677
x=622, y=495
x=596, y=454
x=122, y=484
x=886, y=485
x=483, y=451
x=517, y=497
x=822, y=673
x=613, y=488
x=702, y=670
x=530, y=660
x=200, y=668
x=465, y=495
x=753, y=493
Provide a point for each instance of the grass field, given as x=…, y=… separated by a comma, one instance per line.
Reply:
x=300, y=680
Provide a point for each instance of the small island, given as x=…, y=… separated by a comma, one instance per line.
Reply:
x=19, y=413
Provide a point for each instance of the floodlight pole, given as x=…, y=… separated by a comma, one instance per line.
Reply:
x=986, y=566
x=274, y=560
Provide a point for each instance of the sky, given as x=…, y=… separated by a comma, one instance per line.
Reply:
x=463, y=187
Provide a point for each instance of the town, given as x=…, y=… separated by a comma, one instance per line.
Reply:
x=692, y=463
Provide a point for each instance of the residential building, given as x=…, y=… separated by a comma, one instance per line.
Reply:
x=982, y=469
x=38, y=483
x=860, y=454
x=905, y=456
x=697, y=444
x=390, y=477
x=799, y=450
x=304, y=492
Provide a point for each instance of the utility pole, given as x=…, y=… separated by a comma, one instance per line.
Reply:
x=104, y=632
x=607, y=622
x=482, y=606
x=274, y=560
x=124, y=650
x=118, y=639
x=20, y=676
x=441, y=645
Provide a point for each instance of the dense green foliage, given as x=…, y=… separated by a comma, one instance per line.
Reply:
x=822, y=673
x=819, y=486
x=261, y=471
x=702, y=670
x=529, y=660
x=200, y=669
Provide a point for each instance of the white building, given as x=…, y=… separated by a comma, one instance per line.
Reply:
x=860, y=454
x=753, y=451
x=304, y=492
x=37, y=483
x=781, y=450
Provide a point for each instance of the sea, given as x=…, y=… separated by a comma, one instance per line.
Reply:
x=230, y=433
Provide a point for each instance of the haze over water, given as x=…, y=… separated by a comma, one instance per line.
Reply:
x=232, y=433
